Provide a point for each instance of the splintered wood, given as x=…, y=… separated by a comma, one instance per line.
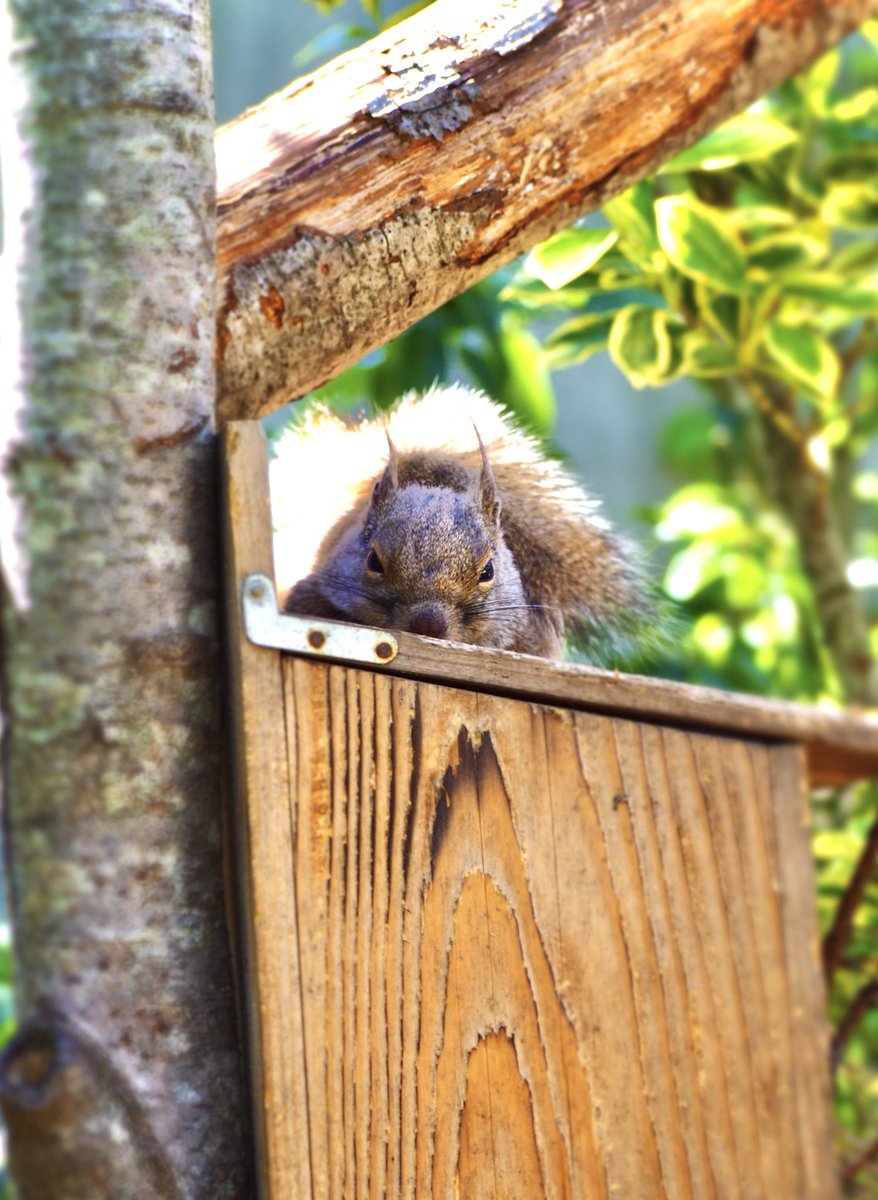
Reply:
x=543, y=953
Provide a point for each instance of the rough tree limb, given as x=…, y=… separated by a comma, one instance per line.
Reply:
x=126, y=1081
x=367, y=194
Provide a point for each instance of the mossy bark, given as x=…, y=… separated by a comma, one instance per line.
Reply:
x=127, y=1079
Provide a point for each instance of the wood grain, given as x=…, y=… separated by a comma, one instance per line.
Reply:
x=841, y=746
x=497, y=947
x=363, y=196
x=547, y=953
x=267, y=926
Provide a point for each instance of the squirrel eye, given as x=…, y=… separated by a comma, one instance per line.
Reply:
x=374, y=564
x=487, y=572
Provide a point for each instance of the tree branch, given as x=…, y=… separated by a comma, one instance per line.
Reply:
x=367, y=194
x=803, y=495
x=865, y=1000
x=837, y=937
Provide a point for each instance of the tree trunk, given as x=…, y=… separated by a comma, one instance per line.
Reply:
x=367, y=194
x=126, y=1080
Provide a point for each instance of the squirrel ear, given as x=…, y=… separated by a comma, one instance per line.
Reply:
x=388, y=480
x=489, y=501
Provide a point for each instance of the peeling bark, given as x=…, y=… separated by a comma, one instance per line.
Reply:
x=113, y=744
x=367, y=194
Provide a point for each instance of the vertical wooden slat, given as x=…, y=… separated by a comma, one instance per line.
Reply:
x=264, y=837
x=567, y=951
x=498, y=949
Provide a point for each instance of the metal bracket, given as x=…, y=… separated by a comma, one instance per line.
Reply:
x=265, y=626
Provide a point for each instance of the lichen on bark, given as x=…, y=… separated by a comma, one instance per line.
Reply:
x=113, y=760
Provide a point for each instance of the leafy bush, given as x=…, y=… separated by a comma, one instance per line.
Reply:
x=749, y=264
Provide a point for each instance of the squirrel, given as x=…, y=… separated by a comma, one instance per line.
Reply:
x=452, y=523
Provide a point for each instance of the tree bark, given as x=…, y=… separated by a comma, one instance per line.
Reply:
x=367, y=194
x=126, y=1079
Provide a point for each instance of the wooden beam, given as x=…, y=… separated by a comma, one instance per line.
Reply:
x=367, y=194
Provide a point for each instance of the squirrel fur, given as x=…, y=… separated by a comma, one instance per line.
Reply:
x=447, y=520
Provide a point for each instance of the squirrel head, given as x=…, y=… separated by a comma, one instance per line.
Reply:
x=433, y=559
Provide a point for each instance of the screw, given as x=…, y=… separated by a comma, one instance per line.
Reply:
x=316, y=639
x=257, y=591
x=384, y=650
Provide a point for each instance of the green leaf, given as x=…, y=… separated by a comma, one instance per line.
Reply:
x=831, y=289
x=721, y=312
x=803, y=355
x=746, y=138
x=688, y=442
x=528, y=390
x=531, y=295
x=867, y=378
x=787, y=251
x=856, y=108
x=701, y=243
x=568, y=254
x=706, y=358
x=858, y=164
x=757, y=219
x=851, y=206
x=819, y=81
x=577, y=340
x=632, y=215
x=640, y=345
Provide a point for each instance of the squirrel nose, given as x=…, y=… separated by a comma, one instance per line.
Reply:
x=430, y=621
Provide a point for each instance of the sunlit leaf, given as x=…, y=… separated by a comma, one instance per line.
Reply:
x=832, y=288
x=803, y=355
x=640, y=345
x=568, y=254
x=700, y=243
x=818, y=82
x=533, y=296
x=632, y=215
x=857, y=107
x=851, y=206
x=722, y=312
x=706, y=358
x=786, y=251
x=755, y=218
x=746, y=138
x=579, y=339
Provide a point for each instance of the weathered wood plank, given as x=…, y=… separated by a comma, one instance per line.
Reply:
x=841, y=746
x=517, y=950
x=363, y=196
x=264, y=832
x=573, y=955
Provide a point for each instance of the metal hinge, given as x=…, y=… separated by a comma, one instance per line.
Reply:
x=265, y=626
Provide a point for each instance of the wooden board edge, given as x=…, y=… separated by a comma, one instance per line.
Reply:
x=268, y=933
x=841, y=745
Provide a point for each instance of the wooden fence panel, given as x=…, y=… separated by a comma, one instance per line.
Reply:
x=499, y=943
x=547, y=953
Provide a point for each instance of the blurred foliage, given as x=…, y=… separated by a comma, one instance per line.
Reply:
x=750, y=264
x=339, y=36
x=7, y=1028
